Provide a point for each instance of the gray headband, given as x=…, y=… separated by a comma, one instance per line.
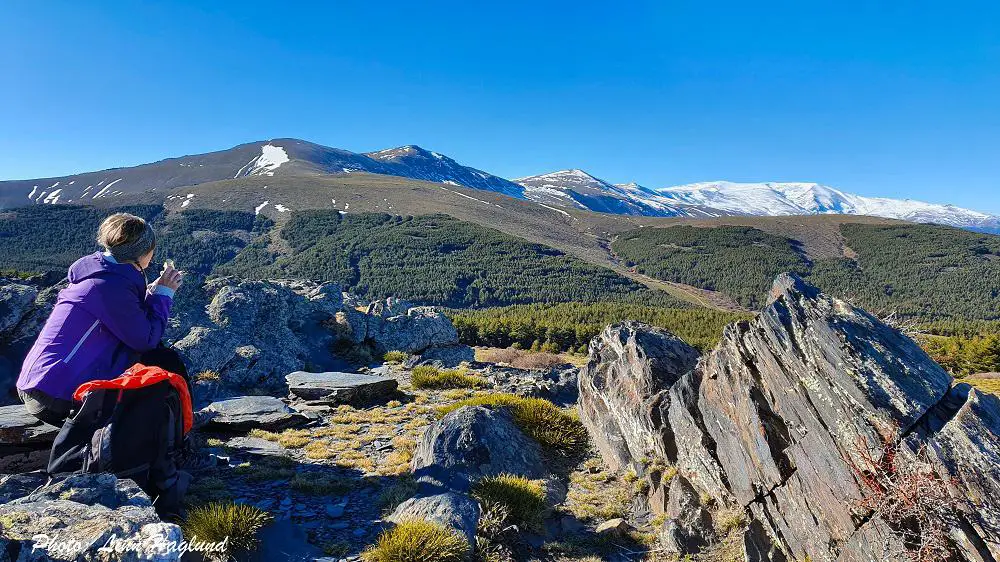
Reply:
x=132, y=251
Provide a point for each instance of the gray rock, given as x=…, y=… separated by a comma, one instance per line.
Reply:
x=557, y=385
x=446, y=356
x=419, y=328
x=472, y=442
x=688, y=527
x=339, y=388
x=15, y=302
x=24, y=440
x=253, y=332
x=617, y=527
x=252, y=412
x=14, y=486
x=18, y=427
x=73, y=518
x=624, y=391
x=455, y=510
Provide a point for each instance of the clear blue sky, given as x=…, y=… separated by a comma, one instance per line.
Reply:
x=881, y=98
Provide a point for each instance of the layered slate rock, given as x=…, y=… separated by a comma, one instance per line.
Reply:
x=339, y=388
x=23, y=310
x=623, y=391
x=779, y=417
x=83, y=513
x=244, y=413
x=24, y=440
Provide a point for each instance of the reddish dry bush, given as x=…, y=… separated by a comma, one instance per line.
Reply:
x=906, y=493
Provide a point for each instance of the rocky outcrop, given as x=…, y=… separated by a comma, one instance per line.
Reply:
x=783, y=416
x=72, y=519
x=394, y=325
x=557, y=385
x=254, y=332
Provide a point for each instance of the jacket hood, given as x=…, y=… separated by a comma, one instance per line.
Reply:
x=96, y=264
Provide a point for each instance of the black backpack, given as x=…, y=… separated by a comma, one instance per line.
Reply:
x=134, y=433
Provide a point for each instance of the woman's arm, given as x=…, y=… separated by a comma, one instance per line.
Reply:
x=138, y=320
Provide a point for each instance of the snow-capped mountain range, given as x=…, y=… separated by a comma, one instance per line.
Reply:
x=561, y=191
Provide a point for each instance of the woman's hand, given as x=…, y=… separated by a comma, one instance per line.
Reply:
x=170, y=278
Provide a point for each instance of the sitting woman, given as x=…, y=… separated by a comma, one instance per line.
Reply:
x=105, y=321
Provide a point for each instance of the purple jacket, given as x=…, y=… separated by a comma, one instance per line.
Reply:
x=99, y=324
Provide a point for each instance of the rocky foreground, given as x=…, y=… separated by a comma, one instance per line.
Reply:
x=813, y=432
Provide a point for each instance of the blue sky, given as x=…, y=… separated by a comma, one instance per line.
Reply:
x=896, y=99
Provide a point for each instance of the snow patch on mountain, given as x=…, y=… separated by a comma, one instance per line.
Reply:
x=271, y=158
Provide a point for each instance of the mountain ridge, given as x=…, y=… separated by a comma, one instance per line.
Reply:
x=572, y=189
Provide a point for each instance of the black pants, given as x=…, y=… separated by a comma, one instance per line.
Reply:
x=54, y=411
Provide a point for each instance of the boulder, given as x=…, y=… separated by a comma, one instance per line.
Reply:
x=624, y=391
x=452, y=509
x=339, y=388
x=72, y=519
x=472, y=442
x=617, y=527
x=253, y=332
x=244, y=413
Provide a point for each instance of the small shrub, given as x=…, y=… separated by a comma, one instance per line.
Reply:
x=208, y=375
x=216, y=522
x=395, y=356
x=539, y=419
x=523, y=499
x=418, y=541
x=430, y=378
x=729, y=519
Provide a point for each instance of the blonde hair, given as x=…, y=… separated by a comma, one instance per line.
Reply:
x=120, y=229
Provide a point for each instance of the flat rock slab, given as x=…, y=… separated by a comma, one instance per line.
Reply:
x=18, y=427
x=339, y=388
x=252, y=412
x=256, y=446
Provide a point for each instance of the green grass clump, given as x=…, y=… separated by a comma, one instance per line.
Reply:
x=391, y=497
x=522, y=499
x=218, y=521
x=431, y=378
x=539, y=419
x=418, y=541
x=395, y=356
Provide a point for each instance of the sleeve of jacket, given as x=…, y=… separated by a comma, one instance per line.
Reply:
x=136, y=318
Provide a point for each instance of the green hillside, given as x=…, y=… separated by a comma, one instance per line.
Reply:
x=926, y=272
x=431, y=259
